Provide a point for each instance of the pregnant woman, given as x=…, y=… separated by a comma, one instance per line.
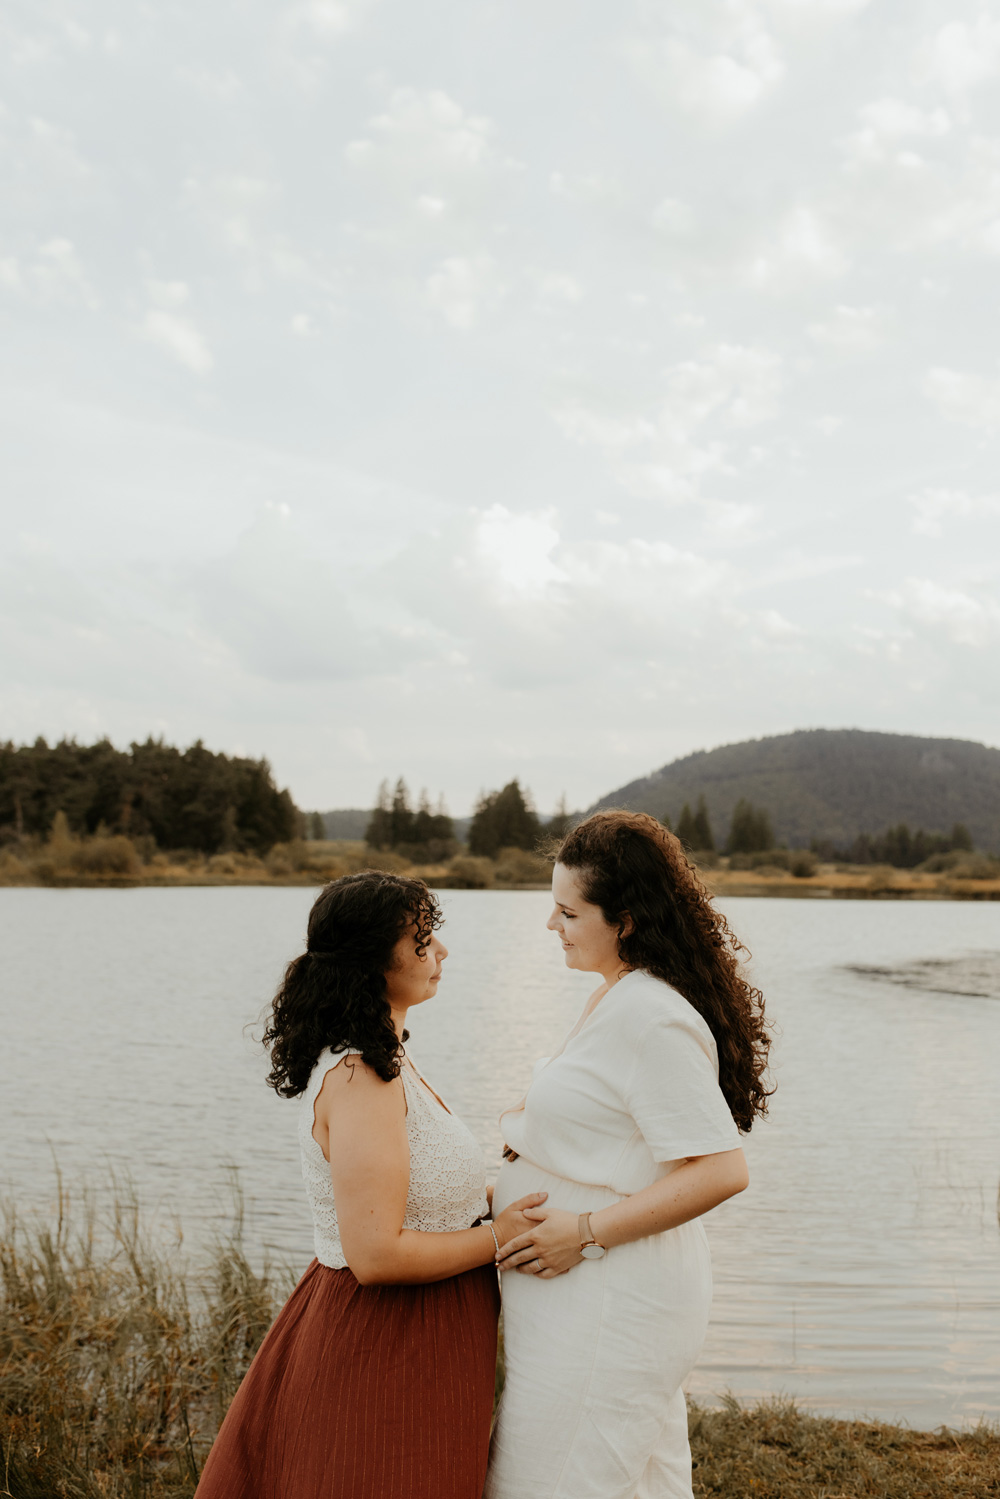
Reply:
x=632, y=1129
x=376, y=1380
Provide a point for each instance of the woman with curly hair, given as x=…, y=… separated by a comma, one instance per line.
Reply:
x=633, y=1130
x=376, y=1380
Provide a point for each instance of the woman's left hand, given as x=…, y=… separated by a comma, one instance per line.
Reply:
x=548, y=1250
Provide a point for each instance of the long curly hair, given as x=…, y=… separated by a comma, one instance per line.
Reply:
x=630, y=865
x=335, y=994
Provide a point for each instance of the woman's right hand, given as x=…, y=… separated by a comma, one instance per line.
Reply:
x=512, y=1220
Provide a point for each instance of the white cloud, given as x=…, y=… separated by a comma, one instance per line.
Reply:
x=885, y=124
x=461, y=289
x=326, y=19
x=934, y=508
x=970, y=400
x=177, y=334
x=56, y=152
x=961, y=55
x=672, y=217
x=52, y=276
x=854, y=328
x=516, y=549
x=800, y=245
x=959, y=616
x=424, y=131
x=818, y=9
x=728, y=67
x=665, y=448
x=557, y=287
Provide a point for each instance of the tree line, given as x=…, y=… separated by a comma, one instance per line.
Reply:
x=501, y=819
x=751, y=831
x=507, y=819
x=180, y=799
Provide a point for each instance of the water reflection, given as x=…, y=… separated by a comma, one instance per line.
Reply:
x=859, y=1272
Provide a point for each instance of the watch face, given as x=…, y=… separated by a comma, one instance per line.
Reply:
x=592, y=1251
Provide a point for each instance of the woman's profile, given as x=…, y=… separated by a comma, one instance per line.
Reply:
x=376, y=1380
x=633, y=1130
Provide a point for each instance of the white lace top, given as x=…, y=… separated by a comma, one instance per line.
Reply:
x=447, y=1171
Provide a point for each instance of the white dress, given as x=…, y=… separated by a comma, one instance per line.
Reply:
x=447, y=1190
x=592, y=1405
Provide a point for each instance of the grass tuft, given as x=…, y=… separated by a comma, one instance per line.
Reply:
x=116, y=1365
x=774, y=1450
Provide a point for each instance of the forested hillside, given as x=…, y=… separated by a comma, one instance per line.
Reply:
x=190, y=799
x=830, y=785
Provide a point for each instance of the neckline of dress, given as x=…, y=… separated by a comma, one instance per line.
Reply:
x=425, y=1085
x=632, y=973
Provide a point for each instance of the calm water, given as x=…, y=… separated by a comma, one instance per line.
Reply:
x=860, y=1272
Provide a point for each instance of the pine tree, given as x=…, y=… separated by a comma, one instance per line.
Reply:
x=750, y=831
x=561, y=820
x=686, y=827
x=423, y=822
x=503, y=819
x=400, y=816
x=378, y=833
x=317, y=828
x=703, y=840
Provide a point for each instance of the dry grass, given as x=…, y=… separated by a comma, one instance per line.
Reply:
x=117, y=1364
x=117, y=1367
x=776, y=1451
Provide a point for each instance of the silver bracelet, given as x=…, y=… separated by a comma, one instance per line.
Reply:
x=495, y=1239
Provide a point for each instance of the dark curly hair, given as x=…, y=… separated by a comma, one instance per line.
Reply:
x=334, y=994
x=630, y=865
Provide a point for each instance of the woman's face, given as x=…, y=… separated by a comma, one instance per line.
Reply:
x=413, y=978
x=589, y=942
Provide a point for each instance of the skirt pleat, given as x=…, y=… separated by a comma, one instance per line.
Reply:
x=365, y=1392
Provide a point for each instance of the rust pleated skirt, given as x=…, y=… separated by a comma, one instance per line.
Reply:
x=365, y=1392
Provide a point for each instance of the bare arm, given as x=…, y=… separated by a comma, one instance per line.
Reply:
x=361, y=1126
x=692, y=1189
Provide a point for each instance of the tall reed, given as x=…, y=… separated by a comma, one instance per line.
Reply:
x=116, y=1365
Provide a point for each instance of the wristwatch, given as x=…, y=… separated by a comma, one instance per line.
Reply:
x=589, y=1247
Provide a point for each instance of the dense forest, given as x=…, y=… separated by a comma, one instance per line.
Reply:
x=846, y=792
x=179, y=799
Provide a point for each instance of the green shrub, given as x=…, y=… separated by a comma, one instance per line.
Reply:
x=803, y=864
x=518, y=866
x=111, y=856
x=976, y=867
x=467, y=872
x=13, y=871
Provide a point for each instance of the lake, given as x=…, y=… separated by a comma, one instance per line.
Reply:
x=861, y=1270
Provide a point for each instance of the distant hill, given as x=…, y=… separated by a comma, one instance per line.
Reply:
x=832, y=783
x=346, y=822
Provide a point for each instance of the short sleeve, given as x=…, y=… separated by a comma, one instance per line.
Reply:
x=674, y=1096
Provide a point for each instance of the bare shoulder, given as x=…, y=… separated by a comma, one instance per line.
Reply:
x=353, y=1084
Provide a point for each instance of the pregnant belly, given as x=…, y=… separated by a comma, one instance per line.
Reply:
x=518, y=1178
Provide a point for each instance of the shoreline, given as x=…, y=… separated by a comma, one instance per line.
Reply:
x=902, y=885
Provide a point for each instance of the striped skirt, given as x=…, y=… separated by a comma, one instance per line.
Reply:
x=365, y=1392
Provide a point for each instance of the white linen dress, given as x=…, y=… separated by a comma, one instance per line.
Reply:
x=592, y=1406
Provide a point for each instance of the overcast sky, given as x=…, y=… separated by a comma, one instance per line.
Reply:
x=482, y=389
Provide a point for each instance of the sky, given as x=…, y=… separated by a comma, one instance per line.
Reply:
x=470, y=390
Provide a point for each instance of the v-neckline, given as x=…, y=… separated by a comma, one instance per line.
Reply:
x=436, y=1096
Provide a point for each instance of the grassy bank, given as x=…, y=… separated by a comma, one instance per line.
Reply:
x=63, y=861
x=118, y=1362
